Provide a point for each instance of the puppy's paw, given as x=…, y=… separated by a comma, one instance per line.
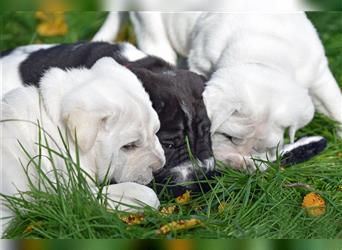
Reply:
x=131, y=197
x=302, y=150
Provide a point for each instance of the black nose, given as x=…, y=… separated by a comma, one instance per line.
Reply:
x=179, y=179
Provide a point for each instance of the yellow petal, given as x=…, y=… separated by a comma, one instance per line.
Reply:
x=184, y=198
x=132, y=219
x=169, y=210
x=314, y=204
x=179, y=225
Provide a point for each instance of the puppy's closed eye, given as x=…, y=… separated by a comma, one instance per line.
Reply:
x=234, y=140
x=130, y=146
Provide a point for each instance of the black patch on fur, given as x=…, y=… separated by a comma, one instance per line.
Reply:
x=66, y=56
x=303, y=153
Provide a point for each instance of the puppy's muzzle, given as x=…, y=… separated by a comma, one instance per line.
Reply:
x=188, y=176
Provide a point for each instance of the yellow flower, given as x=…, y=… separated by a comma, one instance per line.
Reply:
x=179, y=225
x=132, y=219
x=314, y=204
x=51, y=17
x=184, y=198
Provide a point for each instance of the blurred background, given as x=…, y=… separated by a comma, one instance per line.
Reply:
x=172, y=245
x=218, y=5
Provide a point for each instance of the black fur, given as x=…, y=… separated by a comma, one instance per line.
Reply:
x=65, y=56
x=176, y=95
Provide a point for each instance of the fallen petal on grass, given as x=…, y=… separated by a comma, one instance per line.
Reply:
x=169, y=210
x=132, y=219
x=184, y=198
x=314, y=204
x=179, y=225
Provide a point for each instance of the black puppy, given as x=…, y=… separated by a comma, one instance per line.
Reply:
x=176, y=95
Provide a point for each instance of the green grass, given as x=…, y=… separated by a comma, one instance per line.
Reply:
x=257, y=206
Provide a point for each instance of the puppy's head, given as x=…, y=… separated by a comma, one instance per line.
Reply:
x=250, y=106
x=114, y=121
x=176, y=95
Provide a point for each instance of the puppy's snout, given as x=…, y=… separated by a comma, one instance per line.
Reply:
x=158, y=163
x=207, y=165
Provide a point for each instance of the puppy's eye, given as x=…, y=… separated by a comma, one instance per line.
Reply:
x=168, y=145
x=130, y=146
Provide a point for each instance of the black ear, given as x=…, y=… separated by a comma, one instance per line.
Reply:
x=155, y=64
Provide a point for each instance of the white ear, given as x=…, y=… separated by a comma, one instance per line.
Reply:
x=218, y=107
x=85, y=126
x=85, y=121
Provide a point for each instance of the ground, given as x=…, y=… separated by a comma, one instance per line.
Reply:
x=252, y=206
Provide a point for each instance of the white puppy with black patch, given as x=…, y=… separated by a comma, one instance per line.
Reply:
x=267, y=74
x=115, y=123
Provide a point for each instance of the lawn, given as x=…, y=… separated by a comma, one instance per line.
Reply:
x=238, y=206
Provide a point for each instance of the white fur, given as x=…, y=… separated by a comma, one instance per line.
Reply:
x=10, y=66
x=266, y=71
x=131, y=53
x=108, y=108
x=209, y=5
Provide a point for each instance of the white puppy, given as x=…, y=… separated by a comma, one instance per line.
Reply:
x=267, y=71
x=108, y=109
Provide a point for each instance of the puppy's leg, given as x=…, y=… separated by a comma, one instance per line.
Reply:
x=327, y=97
x=110, y=28
x=151, y=35
x=130, y=197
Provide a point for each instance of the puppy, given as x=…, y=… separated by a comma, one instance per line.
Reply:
x=108, y=109
x=268, y=73
x=176, y=96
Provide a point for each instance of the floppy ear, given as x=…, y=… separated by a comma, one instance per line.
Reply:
x=85, y=121
x=85, y=125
